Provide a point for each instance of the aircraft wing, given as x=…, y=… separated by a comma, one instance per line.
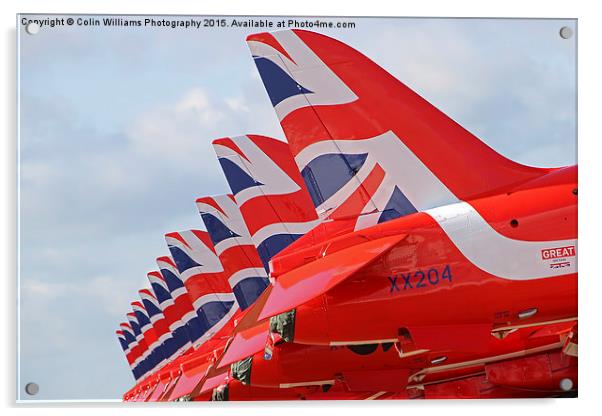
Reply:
x=313, y=279
x=297, y=287
x=246, y=343
x=192, y=372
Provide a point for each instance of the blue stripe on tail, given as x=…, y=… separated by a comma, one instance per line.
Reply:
x=214, y=311
x=398, y=206
x=182, y=260
x=273, y=245
x=237, y=178
x=217, y=230
x=160, y=293
x=278, y=83
x=151, y=308
x=248, y=290
x=328, y=173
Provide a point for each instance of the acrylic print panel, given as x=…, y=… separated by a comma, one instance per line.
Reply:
x=358, y=243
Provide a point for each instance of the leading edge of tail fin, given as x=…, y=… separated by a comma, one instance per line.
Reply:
x=268, y=190
x=366, y=144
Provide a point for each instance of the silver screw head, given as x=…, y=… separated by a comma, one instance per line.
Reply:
x=566, y=32
x=566, y=384
x=32, y=389
x=32, y=28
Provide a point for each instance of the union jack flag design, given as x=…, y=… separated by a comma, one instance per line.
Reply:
x=269, y=190
x=203, y=276
x=126, y=343
x=134, y=351
x=156, y=354
x=173, y=315
x=157, y=319
x=367, y=146
x=144, y=361
x=232, y=243
x=195, y=322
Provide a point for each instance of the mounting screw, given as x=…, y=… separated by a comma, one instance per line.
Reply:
x=566, y=32
x=566, y=384
x=32, y=389
x=32, y=28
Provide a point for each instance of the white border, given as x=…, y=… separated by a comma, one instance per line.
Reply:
x=588, y=155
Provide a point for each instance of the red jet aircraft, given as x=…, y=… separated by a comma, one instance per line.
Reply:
x=430, y=240
x=434, y=267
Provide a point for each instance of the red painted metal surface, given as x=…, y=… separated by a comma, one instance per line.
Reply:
x=428, y=305
x=313, y=279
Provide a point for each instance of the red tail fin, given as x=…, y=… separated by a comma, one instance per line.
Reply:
x=364, y=142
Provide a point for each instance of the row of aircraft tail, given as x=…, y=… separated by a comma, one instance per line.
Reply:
x=381, y=252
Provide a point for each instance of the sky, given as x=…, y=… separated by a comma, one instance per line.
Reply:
x=115, y=132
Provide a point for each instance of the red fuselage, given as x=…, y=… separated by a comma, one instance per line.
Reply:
x=428, y=285
x=449, y=305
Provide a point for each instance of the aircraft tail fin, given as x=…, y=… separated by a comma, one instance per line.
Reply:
x=195, y=324
x=204, y=277
x=232, y=242
x=133, y=352
x=173, y=315
x=268, y=189
x=156, y=354
x=144, y=361
x=366, y=145
x=151, y=304
x=125, y=345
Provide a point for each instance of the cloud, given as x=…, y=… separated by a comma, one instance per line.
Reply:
x=196, y=104
x=178, y=135
x=109, y=293
x=238, y=104
x=44, y=290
